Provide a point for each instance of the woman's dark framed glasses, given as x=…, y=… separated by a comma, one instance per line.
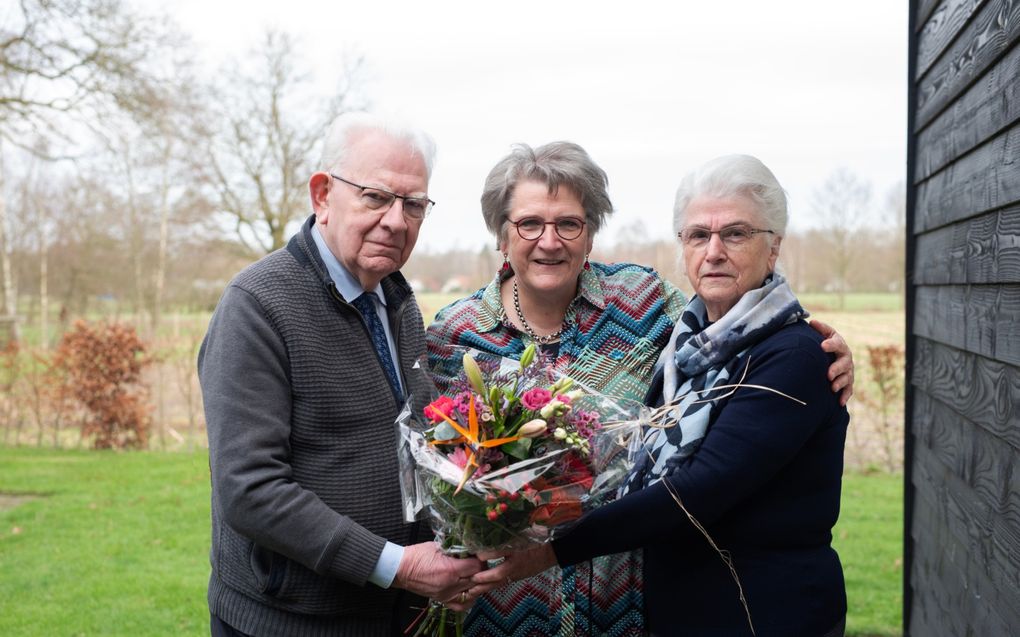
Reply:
x=531, y=228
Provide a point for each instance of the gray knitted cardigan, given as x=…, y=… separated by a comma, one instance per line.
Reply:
x=305, y=490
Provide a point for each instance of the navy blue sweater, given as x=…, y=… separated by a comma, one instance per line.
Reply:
x=765, y=484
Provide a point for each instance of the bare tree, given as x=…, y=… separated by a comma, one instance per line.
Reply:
x=77, y=58
x=65, y=66
x=842, y=202
x=10, y=296
x=262, y=149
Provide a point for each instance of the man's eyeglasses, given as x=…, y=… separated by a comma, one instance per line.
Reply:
x=531, y=228
x=380, y=200
x=735, y=237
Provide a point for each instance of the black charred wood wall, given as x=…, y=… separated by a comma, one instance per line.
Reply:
x=962, y=566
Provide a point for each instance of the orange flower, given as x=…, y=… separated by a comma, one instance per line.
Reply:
x=470, y=438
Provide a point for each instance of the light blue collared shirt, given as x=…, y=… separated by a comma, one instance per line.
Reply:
x=350, y=288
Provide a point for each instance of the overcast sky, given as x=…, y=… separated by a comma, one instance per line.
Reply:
x=650, y=89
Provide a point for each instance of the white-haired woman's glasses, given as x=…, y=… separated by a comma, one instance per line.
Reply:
x=736, y=236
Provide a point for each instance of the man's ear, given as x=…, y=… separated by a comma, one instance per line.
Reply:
x=318, y=190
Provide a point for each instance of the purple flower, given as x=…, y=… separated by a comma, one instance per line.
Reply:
x=462, y=401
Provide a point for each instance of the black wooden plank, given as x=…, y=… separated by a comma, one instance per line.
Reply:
x=974, y=547
x=940, y=29
x=990, y=33
x=960, y=596
x=966, y=555
x=981, y=390
x=985, y=249
x=990, y=105
x=923, y=12
x=954, y=602
x=945, y=435
x=1007, y=325
x=980, y=460
x=981, y=181
x=982, y=319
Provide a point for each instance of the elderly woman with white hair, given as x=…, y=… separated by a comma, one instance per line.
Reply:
x=735, y=501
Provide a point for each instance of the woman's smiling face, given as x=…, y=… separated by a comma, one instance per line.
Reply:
x=549, y=265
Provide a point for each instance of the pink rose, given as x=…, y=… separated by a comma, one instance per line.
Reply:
x=536, y=398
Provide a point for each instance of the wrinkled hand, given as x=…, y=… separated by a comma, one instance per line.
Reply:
x=515, y=567
x=424, y=570
x=841, y=372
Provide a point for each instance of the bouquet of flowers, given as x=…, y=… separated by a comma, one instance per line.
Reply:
x=513, y=455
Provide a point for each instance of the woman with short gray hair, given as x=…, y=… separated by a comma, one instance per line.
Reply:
x=555, y=164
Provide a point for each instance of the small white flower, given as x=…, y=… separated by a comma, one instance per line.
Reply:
x=551, y=409
x=560, y=433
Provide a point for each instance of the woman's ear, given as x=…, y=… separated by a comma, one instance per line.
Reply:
x=774, y=253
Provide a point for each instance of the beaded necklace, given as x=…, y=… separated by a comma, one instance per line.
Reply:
x=541, y=340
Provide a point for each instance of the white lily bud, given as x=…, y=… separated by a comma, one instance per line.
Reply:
x=532, y=428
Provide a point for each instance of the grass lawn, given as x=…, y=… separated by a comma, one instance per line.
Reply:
x=869, y=539
x=112, y=544
x=101, y=543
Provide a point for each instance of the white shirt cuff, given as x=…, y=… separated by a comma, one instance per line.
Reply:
x=386, y=568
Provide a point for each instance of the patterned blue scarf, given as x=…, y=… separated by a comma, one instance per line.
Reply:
x=701, y=355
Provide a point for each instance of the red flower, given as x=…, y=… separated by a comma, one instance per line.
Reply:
x=557, y=511
x=574, y=470
x=439, y=407
x=561, y=494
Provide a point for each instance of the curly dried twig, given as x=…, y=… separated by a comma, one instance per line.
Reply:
x=658, y=416
x=725, y=555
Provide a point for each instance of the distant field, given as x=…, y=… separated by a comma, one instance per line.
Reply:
x=432, y=302
x=878, y=301
x=869, y=319
x=177, y=408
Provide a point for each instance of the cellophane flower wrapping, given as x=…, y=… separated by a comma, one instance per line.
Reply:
x=513, y=455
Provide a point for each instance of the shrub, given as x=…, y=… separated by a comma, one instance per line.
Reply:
x=103, y=364
x=886, y=365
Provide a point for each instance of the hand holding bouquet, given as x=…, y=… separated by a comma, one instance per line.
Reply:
x=513, y=455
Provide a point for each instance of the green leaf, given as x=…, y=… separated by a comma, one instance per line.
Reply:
x=519, y=449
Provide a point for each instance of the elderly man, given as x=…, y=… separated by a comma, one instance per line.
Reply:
x=309, y=356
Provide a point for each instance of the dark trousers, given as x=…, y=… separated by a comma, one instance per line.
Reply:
x=219, y=628
x=407, y=612
x=838, y=630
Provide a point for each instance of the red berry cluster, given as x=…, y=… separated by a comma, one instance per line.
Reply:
x=499, y=502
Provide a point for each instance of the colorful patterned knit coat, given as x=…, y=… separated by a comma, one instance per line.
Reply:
x=615, y=328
